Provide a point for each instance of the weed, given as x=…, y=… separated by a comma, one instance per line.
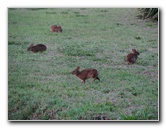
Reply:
x=137, y=37
x=149, y=24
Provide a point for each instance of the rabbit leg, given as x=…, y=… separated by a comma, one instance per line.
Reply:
x=83, y=81
x=96, y=78
x=128, y=62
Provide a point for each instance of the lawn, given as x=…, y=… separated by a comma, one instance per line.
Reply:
x=41, y=86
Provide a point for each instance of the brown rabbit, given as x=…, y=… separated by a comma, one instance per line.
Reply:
x=132, y=57
x=85, y=74
x=37, y=48
x=55, y=28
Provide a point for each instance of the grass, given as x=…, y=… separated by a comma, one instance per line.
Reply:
x=40, y=85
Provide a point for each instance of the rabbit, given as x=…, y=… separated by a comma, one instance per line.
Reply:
x=37, y=48
x=85, y=74
x=132, y=57
x=55, y=28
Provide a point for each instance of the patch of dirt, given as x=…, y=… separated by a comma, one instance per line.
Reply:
x=101, y=116
x=131, y=108
x=152, y=75
x=50, y=114
x=153, y=49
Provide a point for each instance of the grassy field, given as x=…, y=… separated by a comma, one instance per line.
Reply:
x=40, y=85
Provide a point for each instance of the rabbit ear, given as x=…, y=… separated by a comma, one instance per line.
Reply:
x=78, y=67
x=134, y=50
x=30, y=45
x=29, y=48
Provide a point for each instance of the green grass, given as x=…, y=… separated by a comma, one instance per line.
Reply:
x=40, y=85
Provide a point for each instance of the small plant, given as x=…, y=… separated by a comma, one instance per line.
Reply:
x=137, y=37
x=149, y=24
x=151, y=13
x=128, y=117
